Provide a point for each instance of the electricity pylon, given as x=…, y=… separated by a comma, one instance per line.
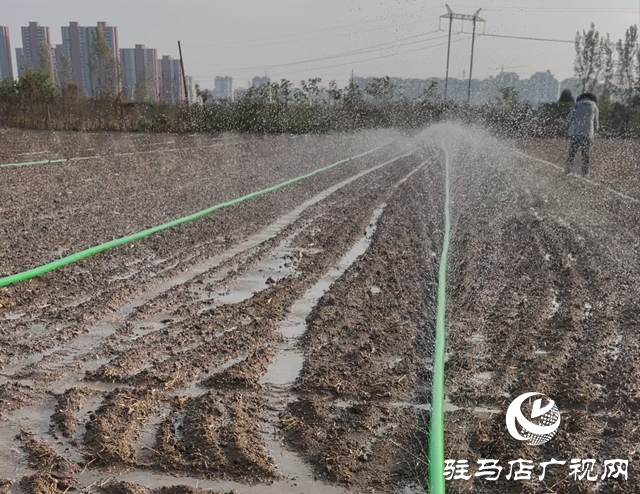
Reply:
x=463, y=17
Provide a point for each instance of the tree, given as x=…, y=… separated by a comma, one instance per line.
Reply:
x=351, y=94
x=381, y=89
x=103, y=67
x=431, y=92
x=44, y=54
x=566, y=96
x=64, y=70
x=608, y=66
x=588, y=62
x=286, y=87
x=626, y=70
x=145, y=88
x=310, y=90
x=508, y=99
x=335, y=94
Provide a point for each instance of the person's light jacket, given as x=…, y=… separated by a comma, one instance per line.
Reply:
x=583, y=119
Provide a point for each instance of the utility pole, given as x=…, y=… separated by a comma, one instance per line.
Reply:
x=473, y=40
x=446, y=80
x=184, y=77
x=463, y=17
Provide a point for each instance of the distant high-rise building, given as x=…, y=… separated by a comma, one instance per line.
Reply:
x=171, y=87
x=128, y=65
x=36, y=48
x=223, y=89
x=191, y=94
x=140, y=73
x=6, y=63
x=542, y=87
x=574, y=84
x=260, y=81
x=73, y=42
x=239, y=93
x=95, y=74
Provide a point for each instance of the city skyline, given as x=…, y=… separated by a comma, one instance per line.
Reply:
x=138, y=71
x=299, y=40
x=161, y=81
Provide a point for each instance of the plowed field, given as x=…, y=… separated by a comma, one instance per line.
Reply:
x=284, y=344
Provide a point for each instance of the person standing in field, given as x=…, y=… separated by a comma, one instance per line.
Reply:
x=582, y=124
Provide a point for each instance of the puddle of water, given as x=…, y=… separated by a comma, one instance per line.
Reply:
x=288, y=363
x=257, y=278
x=284, y=369
x=295, y=485
x=482, y=377
x=33, y=418
x=15, y=316
x=448, y=407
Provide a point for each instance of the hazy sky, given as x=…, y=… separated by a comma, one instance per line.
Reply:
x=298, y=39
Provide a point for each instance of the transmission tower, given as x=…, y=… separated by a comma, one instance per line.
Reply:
x=463, y=17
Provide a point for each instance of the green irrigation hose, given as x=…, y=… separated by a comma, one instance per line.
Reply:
x=81, y=158
x=436, y=425
x=45, y=268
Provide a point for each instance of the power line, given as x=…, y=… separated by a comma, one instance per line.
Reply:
x=305, y=35
x=382, y=46
x=355, y=62
x=382, y=56
x=527, y=38
x=497, y=8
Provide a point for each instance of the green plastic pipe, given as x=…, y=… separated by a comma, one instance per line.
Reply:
x=29, y=163
x=80, y=158
x=45, y=268
x=436, y=425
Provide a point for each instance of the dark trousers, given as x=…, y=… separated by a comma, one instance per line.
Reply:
x=578, y=143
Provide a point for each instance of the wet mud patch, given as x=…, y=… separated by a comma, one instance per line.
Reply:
x=244, y=374
x=113, y=430
x=216, y=436
x=14, y=396
x=69, y=404
x=366, y=346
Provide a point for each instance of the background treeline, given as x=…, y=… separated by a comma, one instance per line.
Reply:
x=609, y=69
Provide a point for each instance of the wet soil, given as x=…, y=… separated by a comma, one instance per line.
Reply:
x=284, y=345
x=176, y=356
x=544, y=298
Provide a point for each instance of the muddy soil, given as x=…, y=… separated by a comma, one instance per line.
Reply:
x=543, y=298
x=284, y=345
x=182, y=369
